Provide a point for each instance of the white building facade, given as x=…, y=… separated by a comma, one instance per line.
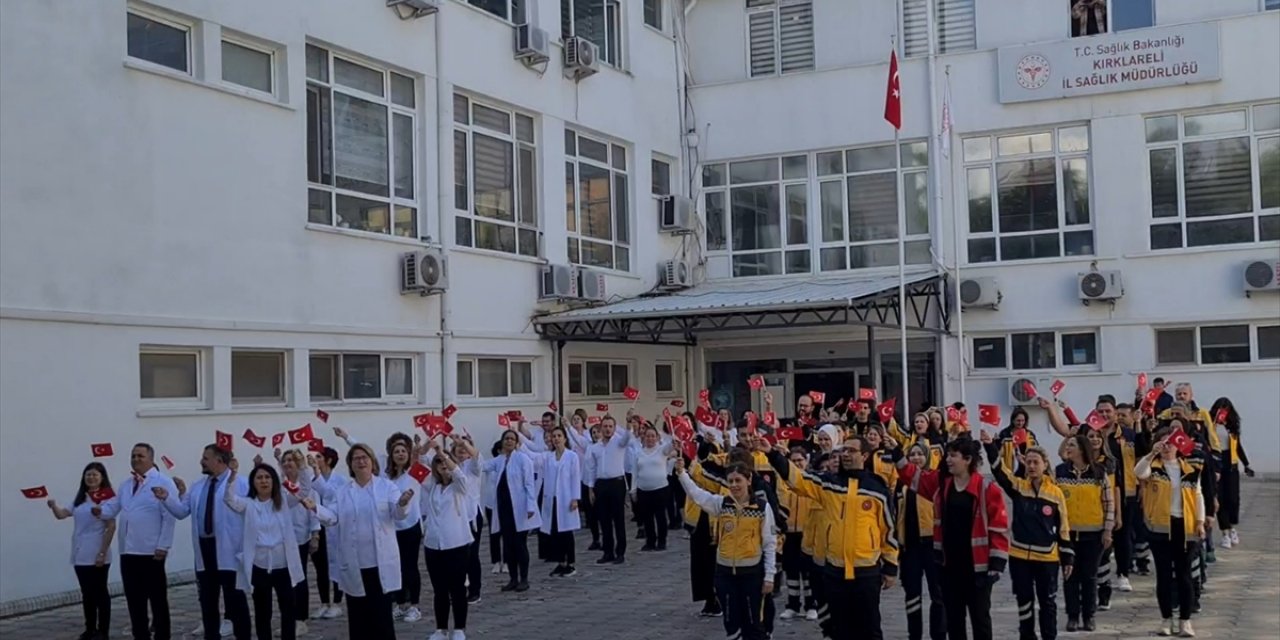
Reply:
x=254, y=176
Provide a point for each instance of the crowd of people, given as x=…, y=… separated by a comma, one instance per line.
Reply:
x=822, y=512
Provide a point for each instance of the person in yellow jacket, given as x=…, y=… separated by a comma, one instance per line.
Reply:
x=702, y=542
x=862, y=548
x=1183, y=394
x=797, y=564
x=915, y=524
x=746, y=549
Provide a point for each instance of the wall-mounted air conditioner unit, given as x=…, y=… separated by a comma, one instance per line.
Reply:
x=1099, y=285
x=581, y=58
x=1261, y=275
x=674, y=275
x=531, y=44
x=423, y=272
x=980, y=293
x=558, y=282
x=676, y=214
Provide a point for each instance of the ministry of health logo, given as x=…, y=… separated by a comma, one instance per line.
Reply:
x=1032, y=71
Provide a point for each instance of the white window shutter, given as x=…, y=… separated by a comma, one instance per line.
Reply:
x=763, y=43
x=795, y=28
x=915, y=28
x=956, y=26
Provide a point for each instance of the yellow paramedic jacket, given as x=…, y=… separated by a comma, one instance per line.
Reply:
x=861, y=535
x=745, y=531
x=1157, y=498
x=691, y=509
x=1203, y=417
x=1038, y=521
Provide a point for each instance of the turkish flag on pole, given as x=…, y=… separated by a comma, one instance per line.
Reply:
x=277, y=439
x=102, y=450
x=989, y=414
x=452, y=409
x=631, y=393
x=223, y=440
x=1057, y=387
x=419, y=472
x=893, y=94
x=168, y=464
x=885, y=410
x=253, y=438
x=301, y=434
x=1182, y=442
x=35, y=493
x=322, y=415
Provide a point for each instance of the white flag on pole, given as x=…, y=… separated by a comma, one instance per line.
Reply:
x=945, y=134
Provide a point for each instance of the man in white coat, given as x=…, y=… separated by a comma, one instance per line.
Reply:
x=217, y=534
x=145, y=531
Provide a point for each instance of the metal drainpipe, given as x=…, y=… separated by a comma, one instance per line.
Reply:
x=444, y=200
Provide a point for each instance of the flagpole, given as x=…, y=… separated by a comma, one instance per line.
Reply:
x=902, y=248
x=955, y=250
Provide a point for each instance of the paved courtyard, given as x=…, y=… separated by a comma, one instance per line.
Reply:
x=648, y=599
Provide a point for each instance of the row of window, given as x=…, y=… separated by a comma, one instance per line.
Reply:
x=167, y=42
x=1217, y=344
x=599, y=21
x=177, y=377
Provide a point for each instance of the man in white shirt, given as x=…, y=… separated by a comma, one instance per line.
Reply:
x=606, y=467
x=145, y=532
x=217, y=532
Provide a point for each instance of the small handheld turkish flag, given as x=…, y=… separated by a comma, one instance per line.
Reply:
x=1142, y=381
x=1221, y=416
x=677, y=403
x=504, y=421
x=957, y=416
x=683, y=430
x=316, y=446
x=1152, y=396
x=631, y=393
x=885, y=410
x=752, y=421
x=818, y=397
x=755, y=382
x=591, y=420
x=35, y=493
x=989, y=414
x=550, y=405
x=1057, y=387
x=277, y=439
x=437, y=425
x=102, y=450
x=419, y=471
x=1095, y=420
x=602, y=407
x=1020, y=437
x=666, y=413
x=1030, y=390
x=301, y=434
x=322, y=415
x=291, y=486
x=168, y=464
x=791, y=433
x=421, y=420
x=704, y=415
x=515, y=415
x=254, y=439
x=223, y=440
x=102, y=495
x=866, y=394
x=691, y=450
x=704, y=395
x=770, y=418
x=1182, y=442
x=451, y=409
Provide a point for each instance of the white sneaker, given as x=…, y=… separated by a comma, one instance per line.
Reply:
x=300, y=628
x=1123, y=584
x=412, y=614
x=497, y=568
x=1235, y=537
x=1185, y=630
x=226, y=630
x=458, y=634
x=335, y=611
x=788, y=614
x=440, y=634
x=397, y=613
x=811, y=615
x=1167, y=627
x=503, y=567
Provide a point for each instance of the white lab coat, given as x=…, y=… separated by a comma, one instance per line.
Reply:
x=228, y=526
x=284, y=519
x=86, y=535
x=338, y=507
x=143, y=525
x=562, y=480
x=524, y=493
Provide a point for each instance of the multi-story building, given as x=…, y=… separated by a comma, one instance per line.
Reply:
x=248, y=180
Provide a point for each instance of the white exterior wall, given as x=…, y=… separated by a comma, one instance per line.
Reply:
x=144, y=208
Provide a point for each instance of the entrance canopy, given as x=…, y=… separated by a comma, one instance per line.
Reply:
x=755, y=304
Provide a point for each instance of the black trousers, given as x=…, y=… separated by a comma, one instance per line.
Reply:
x=652, y=508
x=743, y=603
x=95, y=598
x=561, y=544
x=264, y=584
x=611, y=498
x=495, y=540
x=916, y=567
x=855, y=604
x=473, y=558
x=1122, y=540
x=967, y=592
x=302, y=592
x=369, y=616
x=1172, y=555
x=210, y=583
x=797, y=568
x=588, y=509
x=1229, y=497
x=1082, y=586
x=1104, y=568
x=676, y=503
x=145, y=584
x=1035, y=583
x=702, y=564
x=447, y=569
x=409, y=541
x=321, y=560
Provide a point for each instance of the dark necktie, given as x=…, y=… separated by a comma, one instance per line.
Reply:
x=137, y=482
x=208, y=505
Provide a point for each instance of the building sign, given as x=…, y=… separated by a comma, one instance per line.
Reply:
x=1125, y=61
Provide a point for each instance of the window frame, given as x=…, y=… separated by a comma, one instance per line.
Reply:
x=608, y=362
x=677, y=382
x=1107, y=27
x=660, y=10
x=513, y=9
x=655, y=159
x=474, y=361
x=263, y=401
x=757, y=7
x=931, y=7
x=1197, y=344
x=200, y=400
x=339, y=385
x=186, y=25
x=1059, y=157
x=613, y=47
x=1250, y=132
x=470, y=130
x=392, y=201
x=1058, y=351
x=246, y=43
x=575, y=235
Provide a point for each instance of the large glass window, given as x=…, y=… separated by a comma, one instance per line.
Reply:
x=1214, y=177
x=360, y=146
x=599, y=378
x=258, y=377
x=1029, y=195
x=495, y=178
x=361, y=377
x=954, y=23
x=1092, y=17
x=513, y=10
x=599, y=21
x=171, y=375
x=597, y=196
x=1036, y=350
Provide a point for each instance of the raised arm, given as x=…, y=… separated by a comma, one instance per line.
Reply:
x=1055, y=419
x=232, y=497
x=707, y=501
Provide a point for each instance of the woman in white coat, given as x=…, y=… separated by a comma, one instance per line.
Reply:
x=269, y=559
x=93, y=511
x=562, y=487
x=448, y=511
x=366, y=507
x=517, y=507
x=306, y=526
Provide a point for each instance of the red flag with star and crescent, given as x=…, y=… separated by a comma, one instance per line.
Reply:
x=893, y=94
